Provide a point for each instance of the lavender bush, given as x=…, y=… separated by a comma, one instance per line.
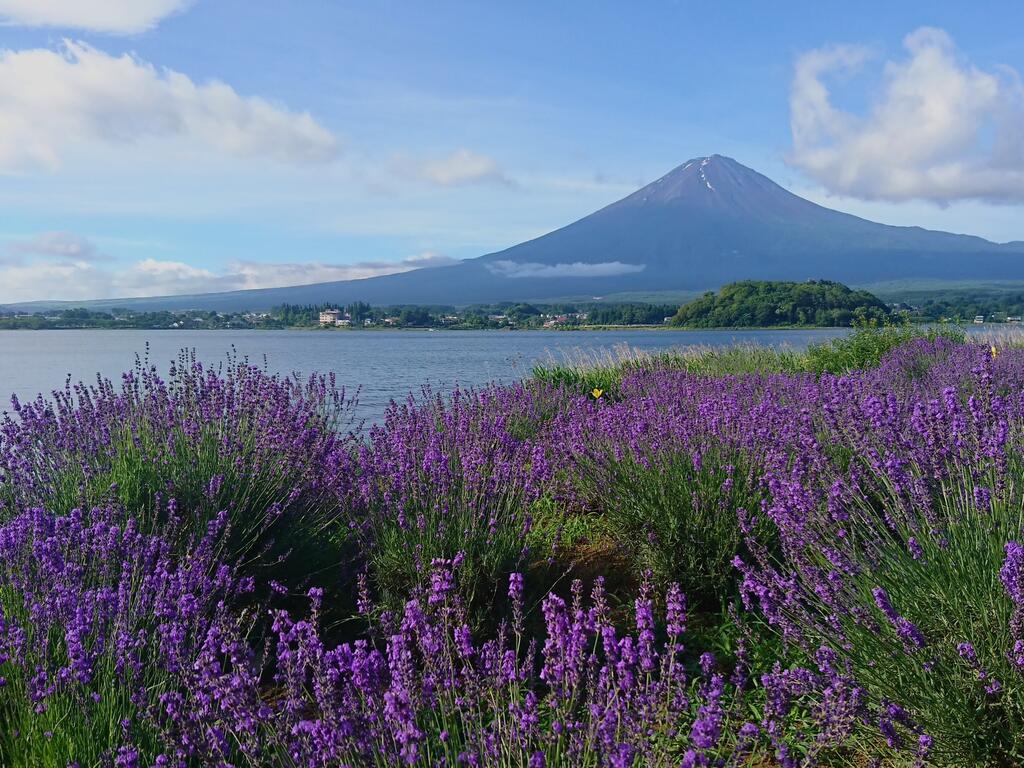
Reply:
x=905, y=563
x=668, y=488
x=115, y=651
x=103, y=629
x=441, y=477
x=275, y=453
x=174, y=591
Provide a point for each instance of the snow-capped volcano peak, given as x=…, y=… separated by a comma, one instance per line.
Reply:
x=719, y=182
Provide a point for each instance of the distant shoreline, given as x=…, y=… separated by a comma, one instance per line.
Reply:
x=575, y=329
x=579, y=329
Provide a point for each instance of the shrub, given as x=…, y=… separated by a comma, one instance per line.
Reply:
x=439, y=478
x=101, y=627
x=675, y=513
x=674, y=469
x=271, y=451
x=904, y=565
x=116, y=650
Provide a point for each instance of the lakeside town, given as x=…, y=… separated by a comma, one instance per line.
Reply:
x=342, y=318
x=353, y=317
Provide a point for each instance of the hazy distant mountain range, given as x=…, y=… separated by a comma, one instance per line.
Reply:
x=706, y=223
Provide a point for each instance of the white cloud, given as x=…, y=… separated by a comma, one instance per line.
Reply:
x=251, y=274
x=53, y=100
x=938, y=127
x=514, y=269
x=26, y=282
x=63, y=245
x=152, y=277
x=82, y=279
x=113, y=16
x=461, y=167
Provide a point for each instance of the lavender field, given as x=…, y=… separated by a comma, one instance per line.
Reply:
x=731, y=558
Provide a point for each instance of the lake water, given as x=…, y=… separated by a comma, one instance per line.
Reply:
x=383, y=365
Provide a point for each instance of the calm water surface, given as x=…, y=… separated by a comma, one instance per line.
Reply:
x=382, y=365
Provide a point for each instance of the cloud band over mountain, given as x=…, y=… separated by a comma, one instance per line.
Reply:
x=78, y=265
x=514, y=269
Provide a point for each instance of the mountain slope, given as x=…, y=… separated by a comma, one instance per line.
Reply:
x=706, y=223
x=713, y=220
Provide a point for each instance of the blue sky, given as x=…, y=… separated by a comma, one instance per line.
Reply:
x=165, y=146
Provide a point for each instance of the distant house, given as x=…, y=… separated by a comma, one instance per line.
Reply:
x=1013, y=318
x=979, y=319
x=392, y=320
x=330, y=316
x=343, y=322
x=368, y=322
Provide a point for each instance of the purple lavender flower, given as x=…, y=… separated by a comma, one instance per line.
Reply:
x=1012, y=573
x=914, y=548
x=907, y=631
x=966, y=651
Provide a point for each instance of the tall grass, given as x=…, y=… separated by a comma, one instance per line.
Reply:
x=584, y=371
x=1006, y=336
x=868, y=344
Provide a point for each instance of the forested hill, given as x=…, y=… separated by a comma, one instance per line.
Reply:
x=763, y=304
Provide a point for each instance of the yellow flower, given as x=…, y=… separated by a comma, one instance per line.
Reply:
x=597, y=393
x=994, y=352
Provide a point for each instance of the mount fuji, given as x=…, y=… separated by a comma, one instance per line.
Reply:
x=708, y=222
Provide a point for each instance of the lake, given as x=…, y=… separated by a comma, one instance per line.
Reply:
x=383, y=365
